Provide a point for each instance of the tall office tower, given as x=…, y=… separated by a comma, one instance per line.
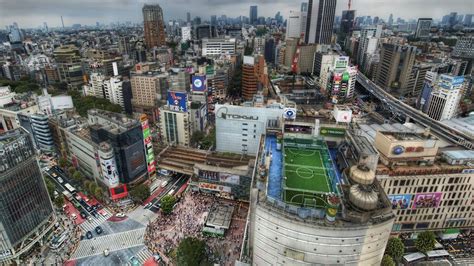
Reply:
x=186, y=34
x=293, y=28
x=188, y=17
x=468, y=20
x=452, y=19
x=366, y=42
x=347, y=22
x=423, y=28
x=464, y=50
x=270, y=51
x=445, y=96
x=125, y=135
x=213, y=20
x=390, y=20
x=304, y=7
x=253, y=15
x=154, y=26
x=395, y=68
x=417, y=78
x=205, y=31
x=249, y=79
x=26, y=212
x=320, y=21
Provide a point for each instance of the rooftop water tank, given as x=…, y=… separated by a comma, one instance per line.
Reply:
x=363, y=198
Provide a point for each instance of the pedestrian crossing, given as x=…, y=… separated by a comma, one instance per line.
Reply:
x=94, y=222
x=463, y=261
x=143, y=255
x=113, y=242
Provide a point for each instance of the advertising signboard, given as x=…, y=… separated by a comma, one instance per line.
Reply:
x=150, y=157
x=177, y=101
x=289, y=113
x=209, y=175
x=199, y=83
x=214, y=187
x=341, y=62
x=427, y=200
x=210, y=70
x=400, y=202
x=229, y=178
x=332, y=132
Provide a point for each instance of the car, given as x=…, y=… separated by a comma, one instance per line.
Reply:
x=89, y=218
x=106, y=252
x=74, y=216
x=94, y=213
x=164, y=184
x=54, y=175
x=83, y=215
x=148, y=205
x=134, y=261
x=94, y=207
x=120, y=215
x=60, y=180
x=99, y=230
x=98, y=206
x=89, y=234
x=88, y=208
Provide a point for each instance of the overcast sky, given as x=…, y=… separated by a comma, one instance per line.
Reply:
x=32, y=13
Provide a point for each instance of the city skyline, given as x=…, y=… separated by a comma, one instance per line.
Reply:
x=89, y=12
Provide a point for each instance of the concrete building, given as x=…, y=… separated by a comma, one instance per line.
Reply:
x=205, y=31
x=37, y=126
x=395, y=68
x=253, y=15
x=238, y=128
x=125, y=135
x=68, y=61
x=343, y=226
x=154, y=26
x=26, y=212
x=429, y=189
x=293, y=28
x=218, y=47
x=445, y=96
x=364, y=39
x=186, y=34
x=320, y=21
x=176, y=127
x=423, y=28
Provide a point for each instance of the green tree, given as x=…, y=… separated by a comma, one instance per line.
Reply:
x=140, y=193
x=387, y=261
x=71, y=170
x=425, y=241
x=395, y=248
x=50, y=186
x=197, y=137
x=167, y=203
x=191, y=251
x=59, y=201
x=98, y=192
x=62, y=162
x=77, y=176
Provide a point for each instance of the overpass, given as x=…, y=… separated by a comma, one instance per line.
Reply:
x=398, y=106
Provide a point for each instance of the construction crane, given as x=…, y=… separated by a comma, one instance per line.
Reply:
x=296, y=57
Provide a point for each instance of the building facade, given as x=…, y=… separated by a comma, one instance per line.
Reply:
x=423, y=28
x=320, y=21
x=154, y=26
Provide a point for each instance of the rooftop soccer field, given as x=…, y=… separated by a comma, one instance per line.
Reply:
x=306, y=168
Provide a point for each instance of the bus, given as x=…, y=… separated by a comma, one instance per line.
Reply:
x=57, y=242
x=171, y=192
x=67, y=195
x=70, y=188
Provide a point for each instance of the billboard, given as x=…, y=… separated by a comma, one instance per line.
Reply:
x=109, y=171
x=400, y=202
x=229, y=178
x=149, y=154
x=332, y=132
x=214, y=187
x=199, y=83
x=427, y=200
x=177, y=101
x=209, y=175
x=341, y=62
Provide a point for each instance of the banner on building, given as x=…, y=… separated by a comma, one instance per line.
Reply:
x=400, y=202
x=214, y=187
x=229, y=178
x=427, y=200
x=177, y=101
x=199, y=83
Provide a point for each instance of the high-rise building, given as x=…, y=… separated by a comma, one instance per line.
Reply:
x=320, y=21
x=304, y=7
x=188, y=17
x=366, y=44
x=464, y=48
x=270, y=51
x=452, y=19
x=390, y=20
x=218, y=46
x=468, y=20
x=423, y=28
x=125, y=135
x=249, y=79
x=395, y=68
x=445, y=96
x=347, y=22
x=37, y=125
x=145, y=85
x=175, y=127
x=26, y=212
x=213, y=20
x=205, y=31
x=253, y=15
x=293, y=28
x=154, y=26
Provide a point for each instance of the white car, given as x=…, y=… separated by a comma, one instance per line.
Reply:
x=60, y=180
x=148, y=205
x=120, y=215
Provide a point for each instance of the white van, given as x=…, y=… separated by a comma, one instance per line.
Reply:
x=164, y=184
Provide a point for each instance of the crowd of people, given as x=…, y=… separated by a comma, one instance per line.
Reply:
x=187, y=220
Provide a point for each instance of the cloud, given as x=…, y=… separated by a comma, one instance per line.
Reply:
x=31, y=13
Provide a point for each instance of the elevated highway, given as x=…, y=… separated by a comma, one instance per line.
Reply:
x=398, y=106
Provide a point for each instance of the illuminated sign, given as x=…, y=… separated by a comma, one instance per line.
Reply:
x=332, y=132
x=289, y=113
x=149, y=154
x=199, y=83
x=397, y=150
x=177, y=101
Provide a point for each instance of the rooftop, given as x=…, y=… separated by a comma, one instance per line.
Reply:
x=220, y=216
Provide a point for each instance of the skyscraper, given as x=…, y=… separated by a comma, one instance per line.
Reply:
x=253, y=15
x=293, y=28
x=395, y=67
x=347, y=22
x=26, y=212
x=390, y=20
x=304, y=7
x=188, y=17
x=154, y=26
x=368, y=36
x=423, y=28
x=445, y=96
x=320, y=21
